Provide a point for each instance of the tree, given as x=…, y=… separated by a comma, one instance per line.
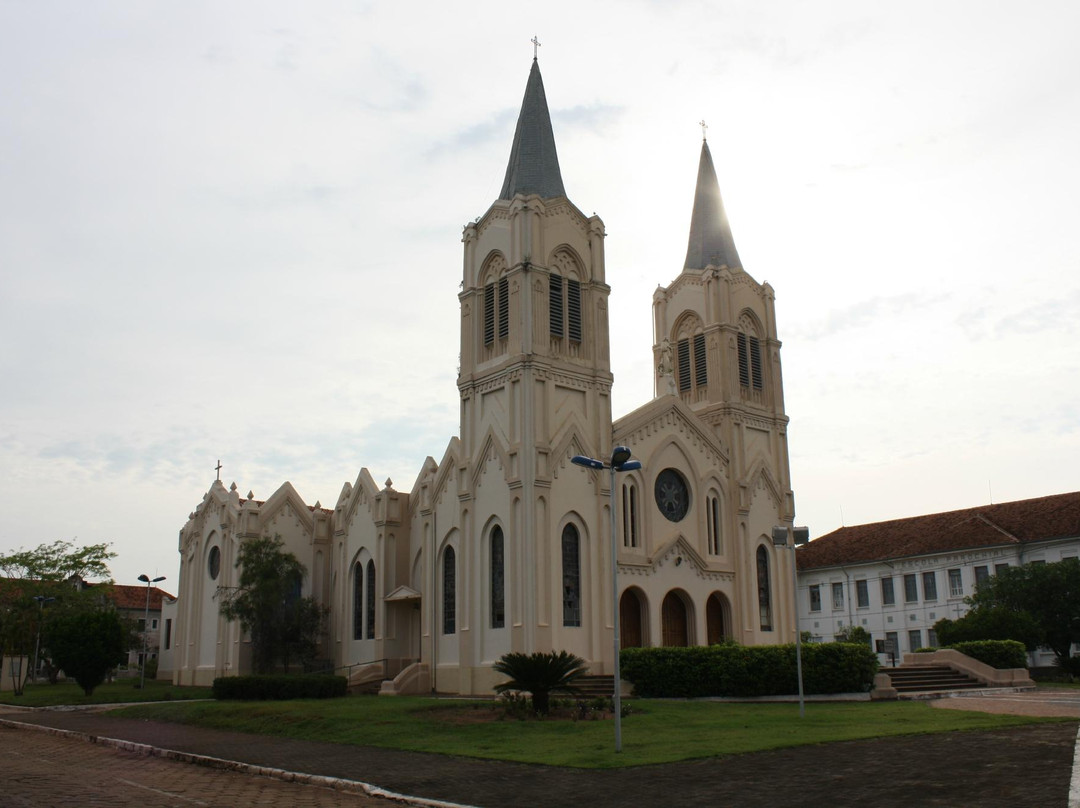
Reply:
x=856, y=634
x=1048, y=593
x=87, y=645
x=990, y=623
x=33, y=578
x=540, y=675
x=268, y=605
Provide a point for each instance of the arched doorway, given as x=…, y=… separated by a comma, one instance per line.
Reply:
x=630, y=620
x=673, y=615
x=715, y=627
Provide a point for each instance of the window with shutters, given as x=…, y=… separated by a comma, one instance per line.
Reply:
x=566, y=312
x=691, y=358
x=750, y=357
x=496, y=307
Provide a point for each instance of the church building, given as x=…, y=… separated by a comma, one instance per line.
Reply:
x=503, y=544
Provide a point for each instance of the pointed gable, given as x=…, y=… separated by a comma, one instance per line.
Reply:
x=534, y=164
x=711, y=243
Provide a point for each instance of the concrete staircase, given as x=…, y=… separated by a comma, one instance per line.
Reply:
x=596, y=686
x=929, y=679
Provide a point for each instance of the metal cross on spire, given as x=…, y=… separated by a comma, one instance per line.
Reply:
x=703, y=126
x=218, y=469
x=536, y=44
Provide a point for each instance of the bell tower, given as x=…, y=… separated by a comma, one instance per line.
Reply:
x=534, y=324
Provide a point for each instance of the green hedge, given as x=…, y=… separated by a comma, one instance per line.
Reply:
x=995, y=653
x=279, y=687
x=744, y=671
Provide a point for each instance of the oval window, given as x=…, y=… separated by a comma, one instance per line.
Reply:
x=213, y=563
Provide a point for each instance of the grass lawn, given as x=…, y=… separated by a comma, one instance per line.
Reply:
x=657, y=732
x=42, y=694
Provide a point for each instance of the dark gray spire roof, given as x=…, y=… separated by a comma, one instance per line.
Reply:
x=710, y=234
x=534, y=165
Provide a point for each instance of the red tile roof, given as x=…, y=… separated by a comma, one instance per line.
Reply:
x=134, y=597
x=1027, y=520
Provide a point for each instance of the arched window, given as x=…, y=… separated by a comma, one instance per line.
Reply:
x=712, y=517
x=564, y=294
x=629, y=514
x=498, y=579
x=496, y=311
x=371, y=600
x=763, y=589
x=571, y=576
x=691, y=366
x=449, y=596
x=358, y=602
x=751, y=371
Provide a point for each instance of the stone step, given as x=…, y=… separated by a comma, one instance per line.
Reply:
x=927, y=678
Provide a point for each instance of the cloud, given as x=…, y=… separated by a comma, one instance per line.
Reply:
x=863, y=313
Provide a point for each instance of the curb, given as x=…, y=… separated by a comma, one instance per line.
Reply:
x=334, y=783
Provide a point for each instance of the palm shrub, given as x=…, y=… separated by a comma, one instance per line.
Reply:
x=540, y=675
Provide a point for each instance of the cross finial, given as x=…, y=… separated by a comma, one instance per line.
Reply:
x=703, y=126
x=536, y=44
x=218, y=469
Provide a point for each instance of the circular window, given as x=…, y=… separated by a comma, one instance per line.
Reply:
x=213, y=563
x=672, y=495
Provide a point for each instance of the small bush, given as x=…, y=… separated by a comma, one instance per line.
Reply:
x=740, y=671
x=279, y=687
x=995, y=653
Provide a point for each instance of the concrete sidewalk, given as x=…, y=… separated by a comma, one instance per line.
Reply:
x=1023, y=766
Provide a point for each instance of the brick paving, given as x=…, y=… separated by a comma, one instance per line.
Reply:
x=41, y=769
x=1011, y=767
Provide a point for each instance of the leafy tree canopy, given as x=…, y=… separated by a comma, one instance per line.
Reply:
x=282, y=625
x=58, y=562
x=87, y=645
x=991, y=623
x=1048, y=593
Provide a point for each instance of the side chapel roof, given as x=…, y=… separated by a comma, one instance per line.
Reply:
x=534, y=164
x=710, y=240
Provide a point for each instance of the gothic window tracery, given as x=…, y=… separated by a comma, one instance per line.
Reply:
x=571, y=569
x=764, y=590
x=449, y=591
x=498, y=579
x=370, y=603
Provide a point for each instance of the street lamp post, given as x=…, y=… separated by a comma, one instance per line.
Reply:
x=41, y=601
x=146, y=625
x=620, y=461
x=799, y=536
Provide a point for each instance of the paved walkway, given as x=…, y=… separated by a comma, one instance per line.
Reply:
x=1015, y=767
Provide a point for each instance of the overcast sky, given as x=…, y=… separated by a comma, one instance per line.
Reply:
x=232, y=230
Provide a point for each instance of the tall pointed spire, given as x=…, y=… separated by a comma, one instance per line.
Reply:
x=534, y=165
x=710, y=235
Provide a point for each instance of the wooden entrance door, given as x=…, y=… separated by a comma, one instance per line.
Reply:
x=673, y=614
